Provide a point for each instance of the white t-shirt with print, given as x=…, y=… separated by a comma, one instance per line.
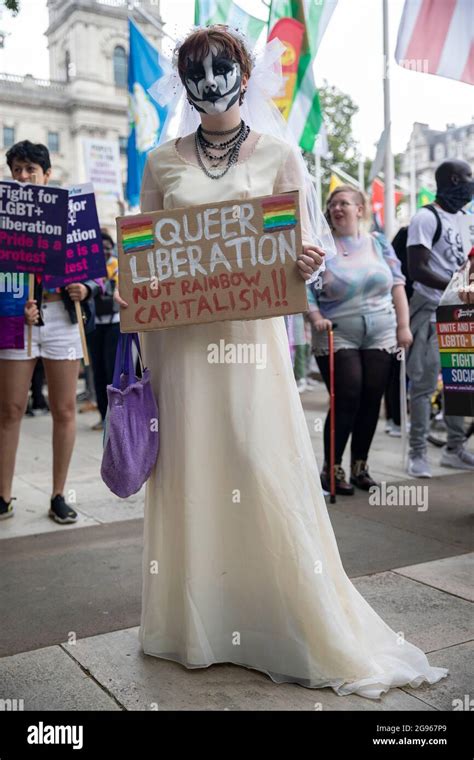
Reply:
x=447, y=254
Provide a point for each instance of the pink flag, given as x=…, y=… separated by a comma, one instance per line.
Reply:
x=437, y=37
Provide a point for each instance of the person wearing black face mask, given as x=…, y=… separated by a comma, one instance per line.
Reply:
x=434, y=253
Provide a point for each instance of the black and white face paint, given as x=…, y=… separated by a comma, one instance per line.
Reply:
x=213, y=84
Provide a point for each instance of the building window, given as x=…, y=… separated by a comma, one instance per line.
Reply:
x=53, y=142
x=123, y=142
x=120, y=66
x=8, y=137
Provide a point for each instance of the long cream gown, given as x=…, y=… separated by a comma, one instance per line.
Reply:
x=236, y=526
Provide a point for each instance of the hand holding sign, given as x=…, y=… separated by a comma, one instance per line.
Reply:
x=310, y=260
x=77, y=291
x=31, y=313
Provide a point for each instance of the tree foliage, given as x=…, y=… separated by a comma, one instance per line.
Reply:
x=12, y=5
x=338, y=109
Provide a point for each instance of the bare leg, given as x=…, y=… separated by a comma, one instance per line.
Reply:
x=15, y=379
x=62, y=375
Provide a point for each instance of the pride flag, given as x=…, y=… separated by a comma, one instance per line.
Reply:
x=137, y=236
x=279, y=213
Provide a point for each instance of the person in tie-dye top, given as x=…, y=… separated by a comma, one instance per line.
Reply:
x=362, y=296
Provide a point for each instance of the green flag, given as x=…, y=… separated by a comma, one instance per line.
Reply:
x=207, y=12
x=424, y=196
x=305, y=118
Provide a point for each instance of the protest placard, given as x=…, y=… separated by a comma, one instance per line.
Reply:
x=222, y=261
x=102, y=166
x=455, y=328
x=84, y=254
x=33, y=225
x=13, y=293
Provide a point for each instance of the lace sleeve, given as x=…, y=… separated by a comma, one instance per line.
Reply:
x=290, y=177
x=151, y=196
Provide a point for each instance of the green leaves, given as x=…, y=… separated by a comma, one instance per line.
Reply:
x=12, y=5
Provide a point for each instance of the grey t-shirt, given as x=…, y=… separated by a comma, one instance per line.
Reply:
x=447, y=254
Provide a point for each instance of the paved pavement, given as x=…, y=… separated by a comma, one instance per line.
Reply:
x=71, y=594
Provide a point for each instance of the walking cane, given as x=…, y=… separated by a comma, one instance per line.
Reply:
x=332, y=417
x=403, y=405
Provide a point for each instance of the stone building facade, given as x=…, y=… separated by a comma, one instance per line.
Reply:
x=431, y=147
x=86, y=95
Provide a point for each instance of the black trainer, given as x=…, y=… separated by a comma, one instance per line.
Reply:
x=61, y=512
x=6, y=508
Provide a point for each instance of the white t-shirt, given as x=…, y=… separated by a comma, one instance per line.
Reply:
x=447, y=254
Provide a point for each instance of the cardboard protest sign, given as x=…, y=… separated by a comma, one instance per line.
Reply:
x=33, y=225
x=217, y=261
x=84, y=254
x=455, y=328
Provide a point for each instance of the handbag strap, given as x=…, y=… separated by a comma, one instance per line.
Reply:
x=123, y=359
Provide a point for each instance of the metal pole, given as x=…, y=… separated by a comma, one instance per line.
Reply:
x=412, y=179
x=361, y=174
x=332, y=420
x=403, y=405
x=389, y=199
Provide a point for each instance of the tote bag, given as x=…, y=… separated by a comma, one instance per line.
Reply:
x=131, y=439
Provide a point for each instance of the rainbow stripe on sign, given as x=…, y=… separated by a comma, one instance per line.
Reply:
x=279, y=213
x=137, y=236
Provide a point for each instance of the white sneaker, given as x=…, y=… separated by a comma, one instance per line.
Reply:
x=395, y=431
x=388, y=426
x=301, y=385
x=418, y=466
x=312, y=384
x=460, y=459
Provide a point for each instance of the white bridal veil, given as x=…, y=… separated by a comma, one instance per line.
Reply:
x=258, y=111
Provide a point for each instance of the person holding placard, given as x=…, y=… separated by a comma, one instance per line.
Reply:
x=435, y=251
x=240, y=560
x=56, y=339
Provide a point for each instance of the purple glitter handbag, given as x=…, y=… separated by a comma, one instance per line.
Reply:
x=131, y=439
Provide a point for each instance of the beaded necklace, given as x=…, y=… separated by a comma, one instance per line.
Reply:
x=231, y=154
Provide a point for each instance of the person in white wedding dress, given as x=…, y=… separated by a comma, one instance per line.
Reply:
x=240, y=562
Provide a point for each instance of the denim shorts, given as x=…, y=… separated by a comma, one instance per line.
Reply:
x=377, y=330
x=58, y=338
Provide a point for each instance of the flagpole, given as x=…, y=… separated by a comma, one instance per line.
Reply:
x=389, y=201
x=361, y=174
x=412, y=179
